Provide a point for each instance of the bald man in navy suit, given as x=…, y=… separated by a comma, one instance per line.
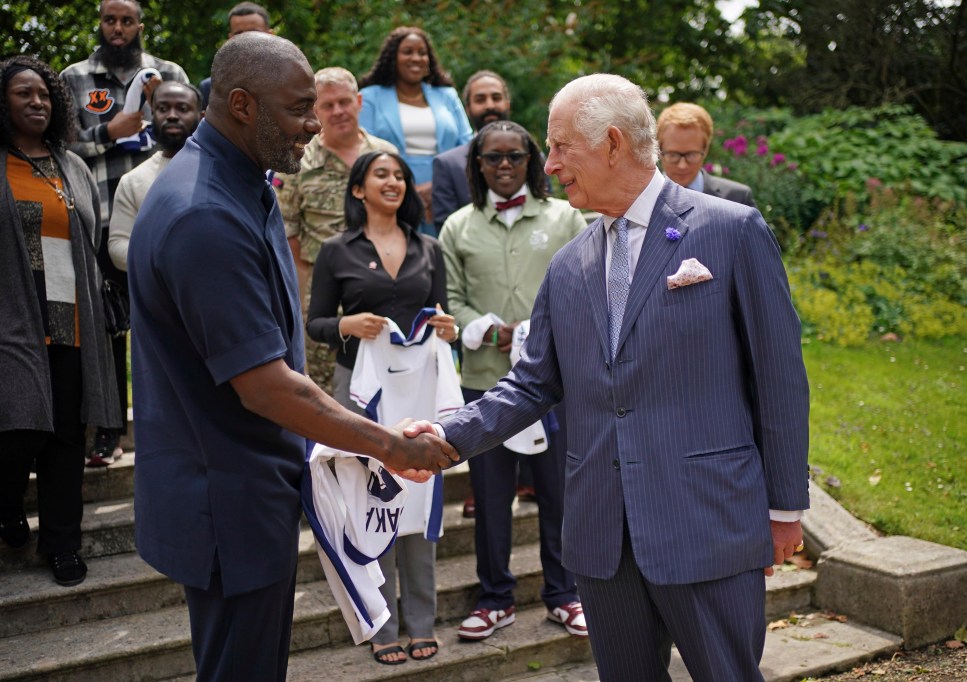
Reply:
x=668, y=329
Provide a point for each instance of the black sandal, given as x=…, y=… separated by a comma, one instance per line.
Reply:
x=421, y=647
x=378, y=655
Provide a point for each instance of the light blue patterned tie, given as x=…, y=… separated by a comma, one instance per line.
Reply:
x=618, y=282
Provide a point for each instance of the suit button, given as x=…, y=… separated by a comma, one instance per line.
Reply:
x=621, y=412
x=616, y=464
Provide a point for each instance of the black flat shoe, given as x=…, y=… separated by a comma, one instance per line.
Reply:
x=68, y=568
x=427, y=649
x=378, y=656
x=15, y=531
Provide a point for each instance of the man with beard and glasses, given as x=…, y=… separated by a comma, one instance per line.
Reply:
x=222, y=407
x=175, y=113
x=99, y=87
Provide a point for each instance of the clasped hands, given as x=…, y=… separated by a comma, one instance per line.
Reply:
x=421, y=454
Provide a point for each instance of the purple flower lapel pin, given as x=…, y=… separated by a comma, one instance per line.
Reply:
x=672, y=235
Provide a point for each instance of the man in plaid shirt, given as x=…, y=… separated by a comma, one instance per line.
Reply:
x=99, y=86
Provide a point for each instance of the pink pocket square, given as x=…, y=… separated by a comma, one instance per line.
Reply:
x=689, y=272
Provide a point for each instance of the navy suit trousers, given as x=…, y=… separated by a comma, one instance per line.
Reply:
x=718, y=626
x=493, y=475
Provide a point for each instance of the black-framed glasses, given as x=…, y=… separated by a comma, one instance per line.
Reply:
x=494, y=159
x=674, y=157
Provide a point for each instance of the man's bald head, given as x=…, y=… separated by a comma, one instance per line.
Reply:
x=252, y=61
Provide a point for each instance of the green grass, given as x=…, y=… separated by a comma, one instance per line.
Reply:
x=889, y=423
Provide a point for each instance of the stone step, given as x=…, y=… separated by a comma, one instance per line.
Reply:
x=817, y=646
x=510, y=651
x=108, y=529
x=116, y=482
x=82, y=640
x=128, y=622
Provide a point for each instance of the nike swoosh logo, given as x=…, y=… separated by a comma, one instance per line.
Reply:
x=395, y=371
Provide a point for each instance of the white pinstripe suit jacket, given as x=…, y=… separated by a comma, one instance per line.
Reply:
x=698, y=427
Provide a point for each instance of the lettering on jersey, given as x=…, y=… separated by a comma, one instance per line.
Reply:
x=386, y=520
x=99, y=101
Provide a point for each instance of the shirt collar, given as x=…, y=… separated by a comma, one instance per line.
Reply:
x=641, y=209
x=236, y=161
x=698, y=184
x=493, y=197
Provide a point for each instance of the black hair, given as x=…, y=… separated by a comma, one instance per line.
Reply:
x=62, y=128
x=536, y=182
x=410, y=211
x=244, y=9
x=189, y=86
x=137, y=6
x=383, y=71
x=477, y=75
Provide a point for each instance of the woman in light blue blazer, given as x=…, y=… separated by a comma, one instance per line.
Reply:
x=409, y=100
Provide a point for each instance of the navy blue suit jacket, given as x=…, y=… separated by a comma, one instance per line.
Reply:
x=698, y=427
x=451, y=190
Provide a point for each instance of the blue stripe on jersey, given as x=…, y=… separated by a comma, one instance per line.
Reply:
x=309, y=507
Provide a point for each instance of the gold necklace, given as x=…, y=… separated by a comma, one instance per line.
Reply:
x=409, y=98
x=62, y=194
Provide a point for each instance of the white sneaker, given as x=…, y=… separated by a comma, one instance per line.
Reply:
x=571, y=616
x=481, y=623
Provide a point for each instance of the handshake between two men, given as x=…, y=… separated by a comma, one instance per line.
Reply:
x=422, y=454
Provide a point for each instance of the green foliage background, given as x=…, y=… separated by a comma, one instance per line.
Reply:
x=675, y=49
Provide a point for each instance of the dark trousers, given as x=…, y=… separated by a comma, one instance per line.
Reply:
x=493, y=475
x=59, y=458
x=719, y=626
x=119, y=344
x=243, y=637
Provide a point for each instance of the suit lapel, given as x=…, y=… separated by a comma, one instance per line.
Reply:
x=655, y=252
x=592, y=267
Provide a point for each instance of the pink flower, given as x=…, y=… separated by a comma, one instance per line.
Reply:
x=792, y=165
x=737, y=145
x=708, y=168
x=777, y=159
x=762, y=146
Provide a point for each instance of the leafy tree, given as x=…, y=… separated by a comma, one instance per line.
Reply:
x=865, y=53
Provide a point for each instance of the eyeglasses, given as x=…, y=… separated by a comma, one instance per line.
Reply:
x=673, y=158
x=494, y=159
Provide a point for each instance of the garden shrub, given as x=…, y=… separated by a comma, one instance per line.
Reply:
x=900, y=267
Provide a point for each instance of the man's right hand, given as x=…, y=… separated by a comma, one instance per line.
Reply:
x=124, y=124
x=420, y=454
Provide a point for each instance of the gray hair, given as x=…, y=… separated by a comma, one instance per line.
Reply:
x=604, y=100
x=336, y=75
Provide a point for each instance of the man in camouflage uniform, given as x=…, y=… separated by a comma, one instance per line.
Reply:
x=312, y=200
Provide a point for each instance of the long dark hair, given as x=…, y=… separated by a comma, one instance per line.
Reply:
x=383, y=71
x=536, y=181
x=410, y=211
x=61, y=128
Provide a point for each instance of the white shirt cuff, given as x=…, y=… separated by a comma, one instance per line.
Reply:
x=783, y=515
x=440, y=432
x=474, y=333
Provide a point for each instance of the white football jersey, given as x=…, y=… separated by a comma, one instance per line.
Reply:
x=398, y=376
x=353, y=509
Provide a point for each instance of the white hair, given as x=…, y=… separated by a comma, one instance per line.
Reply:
x=604, y=100
x=336, y=75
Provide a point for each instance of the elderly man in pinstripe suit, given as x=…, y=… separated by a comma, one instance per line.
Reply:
x=669, y=328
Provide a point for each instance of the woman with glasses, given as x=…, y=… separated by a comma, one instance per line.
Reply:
x=55, y=360
x=497, y=250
